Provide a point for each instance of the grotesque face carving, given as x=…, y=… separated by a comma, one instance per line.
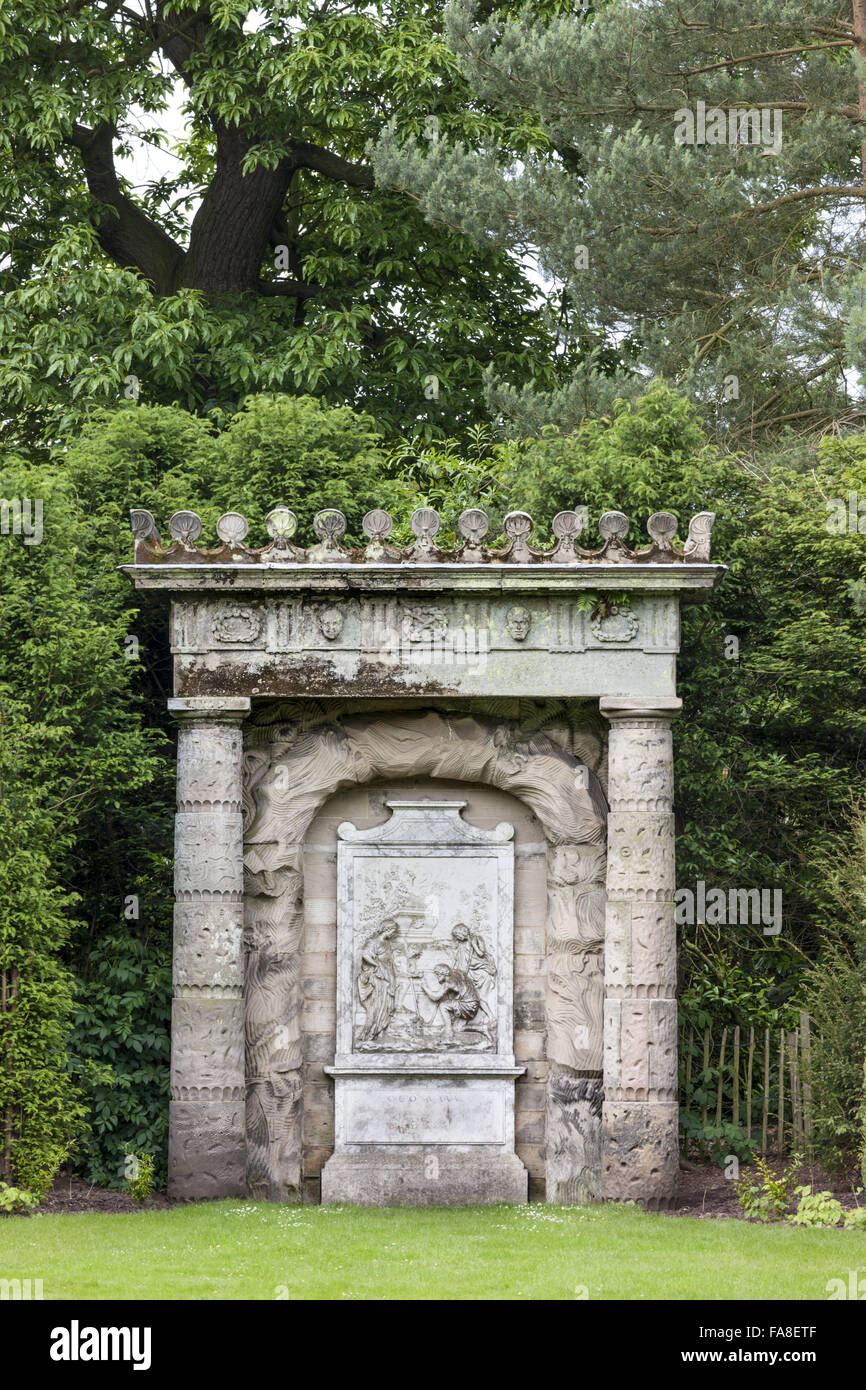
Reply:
x=518, y=622
x=330, y=620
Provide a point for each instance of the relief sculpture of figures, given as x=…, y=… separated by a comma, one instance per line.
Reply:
x=377, y=980
x=471, y=956
x=457, y=996
x=422, y=994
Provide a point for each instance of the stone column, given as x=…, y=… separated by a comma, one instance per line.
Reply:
x=639, y=1117
x=207, y=1148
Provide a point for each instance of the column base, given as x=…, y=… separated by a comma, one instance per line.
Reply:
x=423, y=1176
x=206, y=1150
x=641, y=1160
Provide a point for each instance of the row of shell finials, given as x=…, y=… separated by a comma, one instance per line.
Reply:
x=330, y=527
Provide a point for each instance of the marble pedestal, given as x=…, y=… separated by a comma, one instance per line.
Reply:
x=417, y=1138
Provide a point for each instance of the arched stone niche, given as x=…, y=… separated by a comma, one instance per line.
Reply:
x=299, y=760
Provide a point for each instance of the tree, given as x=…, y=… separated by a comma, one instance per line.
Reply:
x=269, y=260
x=701, y=207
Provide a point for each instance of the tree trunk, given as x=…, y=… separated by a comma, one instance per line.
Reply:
x=232, y=229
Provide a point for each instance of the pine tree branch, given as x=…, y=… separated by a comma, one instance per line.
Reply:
x=759, y=57
x=840, y=191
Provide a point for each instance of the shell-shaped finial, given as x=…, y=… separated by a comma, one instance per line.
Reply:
x=185, y=527
x=232, y=528
x=473, y=525
x=142, y=523
x=377, y=524
x=518, y=526
x=662, y=527
x=567, y=525
x=329, y=524
x=281, y=523
x=425, y=523
x=697, y=546
x=614, y=526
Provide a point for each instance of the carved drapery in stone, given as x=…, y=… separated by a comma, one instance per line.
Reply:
x=291, y=769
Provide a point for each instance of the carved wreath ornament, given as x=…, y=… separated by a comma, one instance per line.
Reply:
x=237, y=625
x=619, y=625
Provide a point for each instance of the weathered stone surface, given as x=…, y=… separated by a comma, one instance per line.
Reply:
x=207, y=1144
x=640, y=1152
x=423, y=1178
x=289, y=780
x=640, y=855
x=573, y=1164
x=207, y=1150
x=640, y=1040
x=504, y=633
x=425, y=996
x=207, y=1044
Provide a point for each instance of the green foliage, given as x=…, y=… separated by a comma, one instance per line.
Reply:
x=278, y=450
x=730, y=264
x=836, y=998
x=139, y=1169
x=15, y=1199
x=73, y=756
x=764, y=1196
x=855, y=1219
x=119, y=1047
x=816, y=1208
x=255, y=253
x=717, y=1142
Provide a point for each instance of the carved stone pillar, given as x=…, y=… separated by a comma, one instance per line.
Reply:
x=207, y=1149
x=639, y=1118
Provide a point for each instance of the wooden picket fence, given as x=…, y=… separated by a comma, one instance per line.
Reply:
x=756, y=1079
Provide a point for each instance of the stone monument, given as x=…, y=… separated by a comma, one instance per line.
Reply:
x=424, y=866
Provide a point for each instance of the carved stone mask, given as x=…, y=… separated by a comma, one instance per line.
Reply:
x=518, y=622
x=330, y=622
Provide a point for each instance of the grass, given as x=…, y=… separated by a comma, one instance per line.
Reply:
x=241, y=1250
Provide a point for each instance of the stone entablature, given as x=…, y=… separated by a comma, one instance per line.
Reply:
x=392, y=668
x=277, y=630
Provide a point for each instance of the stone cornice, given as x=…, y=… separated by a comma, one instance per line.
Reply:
x=688, y=582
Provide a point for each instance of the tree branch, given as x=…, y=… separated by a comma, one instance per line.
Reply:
x=126, y=233
x=331, y=166
x=289, y=289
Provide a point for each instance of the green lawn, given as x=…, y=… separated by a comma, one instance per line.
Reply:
x=240, y=1250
